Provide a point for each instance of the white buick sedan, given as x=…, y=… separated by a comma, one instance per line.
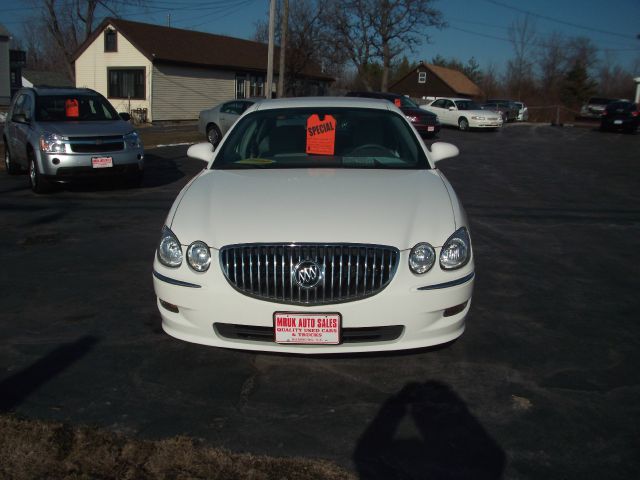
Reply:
x=320, y=225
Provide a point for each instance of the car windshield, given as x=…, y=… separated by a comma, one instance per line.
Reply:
x=321, y=138
x=73, y=108
x=467, y=105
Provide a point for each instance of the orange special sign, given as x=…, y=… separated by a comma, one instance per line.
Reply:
x=71, y=108
x=321, y=135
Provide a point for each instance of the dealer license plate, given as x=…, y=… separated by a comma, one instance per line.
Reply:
x=617, y=122
x=307, y=328
x=430, y=129
x=102, y=162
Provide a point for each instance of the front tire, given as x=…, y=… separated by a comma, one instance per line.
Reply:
x=38, y=183
x=10, y=167
x=213, y=135
x=463, y=124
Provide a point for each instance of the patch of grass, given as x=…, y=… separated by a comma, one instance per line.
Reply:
x=34, y=449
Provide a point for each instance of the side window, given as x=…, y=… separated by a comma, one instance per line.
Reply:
x=27, y=107
x=438, y=104
x=226, y=108
x=449, y=104
x=17, y=107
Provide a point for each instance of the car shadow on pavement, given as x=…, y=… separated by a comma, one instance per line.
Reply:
x=16, y=388
x=425, y=431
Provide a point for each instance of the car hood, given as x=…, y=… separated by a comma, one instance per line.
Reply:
x=482, y=113
x=387, y=207
x=88, y=129
x=417, y=111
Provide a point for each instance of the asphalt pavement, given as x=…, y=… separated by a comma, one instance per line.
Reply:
x=543, y=383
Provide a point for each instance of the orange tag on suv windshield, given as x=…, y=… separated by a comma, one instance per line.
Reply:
x=321, y=135
x=71, y=108
x=397, y=102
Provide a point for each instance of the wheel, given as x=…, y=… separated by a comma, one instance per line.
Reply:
x=10, y=167
x=38, y=183
x=213, y=135
x=463, y=124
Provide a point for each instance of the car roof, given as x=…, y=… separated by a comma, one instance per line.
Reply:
x=324, y=102
x=63, y=91
x=454, y=99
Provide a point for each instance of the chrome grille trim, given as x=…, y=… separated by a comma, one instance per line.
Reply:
x=351, y=271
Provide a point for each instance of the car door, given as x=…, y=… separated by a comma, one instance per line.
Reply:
x=19, y=128
x=451, y=113
x=437, y=107
x=229, y=113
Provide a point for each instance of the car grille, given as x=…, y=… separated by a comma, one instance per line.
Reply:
x=96, y=144
x=348, y=335
x=350, y=272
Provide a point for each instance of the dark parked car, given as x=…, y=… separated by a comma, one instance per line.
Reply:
x=620, y=116
x=426, y=123
x=507, y=108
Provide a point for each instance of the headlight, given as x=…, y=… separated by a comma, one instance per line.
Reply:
x=456, y=251
x=198, y=256
x=52, y=143
x=133, y=140
x=475, y=117
x=422, y=258
x=169, y=249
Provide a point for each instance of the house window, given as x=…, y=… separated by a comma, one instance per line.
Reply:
x=126, y=83
x=422, y=77
x=110, y=40
x=256, y=86
x=240, y=87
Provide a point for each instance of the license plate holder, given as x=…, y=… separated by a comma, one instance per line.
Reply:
x=297, y=328
x=617, y=122
x=102, y=162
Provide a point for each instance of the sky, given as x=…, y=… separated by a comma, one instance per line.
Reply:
x=476, y=28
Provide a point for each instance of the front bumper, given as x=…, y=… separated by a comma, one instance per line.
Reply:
x=64, y=166
x=416, y=311
x=485, y=123
x=426, y=129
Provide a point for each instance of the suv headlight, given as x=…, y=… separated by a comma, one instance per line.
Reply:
x=456, y=251
x=169, y=249
x=133, y=140
x=198, y=256
x=52, y=143
x=422, y=258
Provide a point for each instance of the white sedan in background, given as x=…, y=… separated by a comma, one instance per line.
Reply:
x=463, y=113
x=318, y=226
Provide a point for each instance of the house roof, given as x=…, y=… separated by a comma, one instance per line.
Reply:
x=52, y=79
x=458, y=81
x=175, y=45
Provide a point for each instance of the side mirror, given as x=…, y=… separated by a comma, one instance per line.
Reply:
x=201, y=151
x=19, y=118
x=442, y=150
x=125, y=116
x=451, y=109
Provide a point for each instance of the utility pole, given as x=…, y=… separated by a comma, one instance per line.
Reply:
x=283, y=47
x=272, y=21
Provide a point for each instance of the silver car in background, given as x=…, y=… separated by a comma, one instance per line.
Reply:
x=61, y=134
x=215, y=122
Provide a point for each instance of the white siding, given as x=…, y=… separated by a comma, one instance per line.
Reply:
x=180, y=93
x=91, y=70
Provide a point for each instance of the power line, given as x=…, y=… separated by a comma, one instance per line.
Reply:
x=557, y=20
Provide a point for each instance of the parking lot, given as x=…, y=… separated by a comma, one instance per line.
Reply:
x=543, y=383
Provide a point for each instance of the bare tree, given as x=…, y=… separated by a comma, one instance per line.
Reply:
x=370, y=30
x=522, y=34
x=552, y=61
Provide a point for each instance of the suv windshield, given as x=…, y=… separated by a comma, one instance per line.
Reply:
x=321, y=138
x=467, y=105
x=408, y=103
x=73, y=108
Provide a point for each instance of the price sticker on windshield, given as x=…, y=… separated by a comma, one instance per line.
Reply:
x=321, y=135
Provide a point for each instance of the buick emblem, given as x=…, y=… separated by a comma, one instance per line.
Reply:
x=307, y=274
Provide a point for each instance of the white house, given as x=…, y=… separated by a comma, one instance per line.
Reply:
x=173, y=74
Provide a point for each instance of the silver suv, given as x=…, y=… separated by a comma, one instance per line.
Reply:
x=60, y=134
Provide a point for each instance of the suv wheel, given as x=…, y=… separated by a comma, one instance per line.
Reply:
x=11, y=168
x=38, y=183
